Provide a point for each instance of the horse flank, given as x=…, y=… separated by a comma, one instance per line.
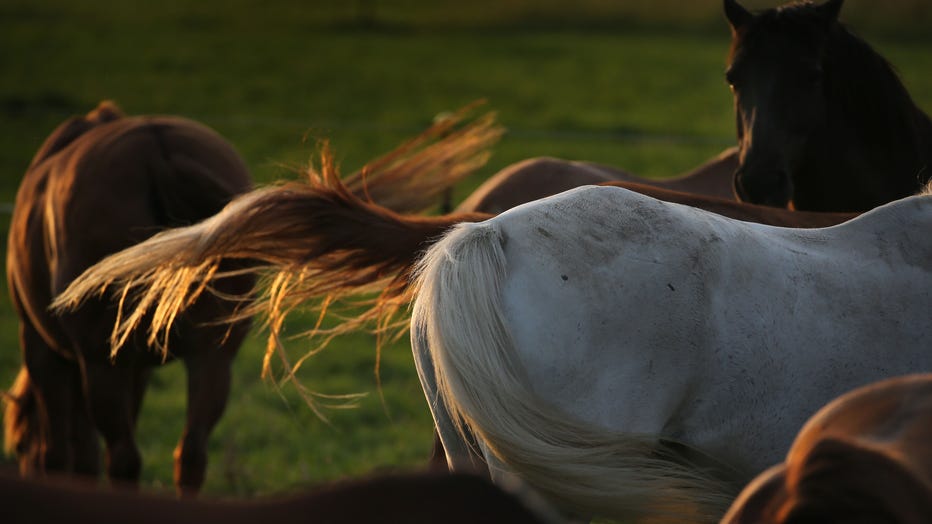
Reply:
x=585, y=469
x=307, y=240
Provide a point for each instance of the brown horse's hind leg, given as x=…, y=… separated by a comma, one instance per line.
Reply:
x=54, y=381
x=209, y=375
x=112, y=400
x=85, y=440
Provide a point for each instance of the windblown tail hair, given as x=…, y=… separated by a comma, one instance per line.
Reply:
x=584, y=469
x=323, y=238
x=22, y=420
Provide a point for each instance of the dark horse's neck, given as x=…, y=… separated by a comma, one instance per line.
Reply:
x=881, y=139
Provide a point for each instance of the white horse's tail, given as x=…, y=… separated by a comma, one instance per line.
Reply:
x=583, y=469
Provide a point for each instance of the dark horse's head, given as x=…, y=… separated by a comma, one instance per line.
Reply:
x=823, y=121
x=776, y=74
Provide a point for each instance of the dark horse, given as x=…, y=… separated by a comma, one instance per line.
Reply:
x=101, y=183
x=823, y=121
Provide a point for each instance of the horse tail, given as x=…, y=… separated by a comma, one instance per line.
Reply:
x=316, y=241
x=21, y=416
x=323, y=237
x=582, y=468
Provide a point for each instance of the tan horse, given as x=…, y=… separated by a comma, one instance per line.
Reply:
x=544, y=176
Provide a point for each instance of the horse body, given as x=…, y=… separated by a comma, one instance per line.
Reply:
x=806, y=136
x=731, y=335
x=100, y=184
x=541, y=177
x=721, y=283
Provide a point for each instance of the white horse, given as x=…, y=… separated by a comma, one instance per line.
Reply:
x=630, y=357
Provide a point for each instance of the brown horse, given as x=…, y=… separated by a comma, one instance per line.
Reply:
x=101, y=183
x=823, y=121
x=864, y=457
x=544, y=176
x=104, y=182
x=408, y=497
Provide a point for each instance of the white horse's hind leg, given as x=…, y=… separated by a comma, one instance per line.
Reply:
x=459, y=455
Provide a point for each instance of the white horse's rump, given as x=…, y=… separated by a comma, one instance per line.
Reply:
x=572, y=333
x=579, y=466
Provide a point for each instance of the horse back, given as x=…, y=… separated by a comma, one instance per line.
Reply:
x=896, y=233
x=744, y=211
x=113, y=185
x=533, y=179
x=69, y=130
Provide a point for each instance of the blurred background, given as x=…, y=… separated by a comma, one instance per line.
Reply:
x=636, y=85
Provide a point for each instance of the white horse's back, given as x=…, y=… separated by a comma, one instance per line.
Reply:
x=618, y=313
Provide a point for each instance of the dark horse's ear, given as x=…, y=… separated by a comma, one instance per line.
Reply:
x=71, y=129
x=106, y=111
x=737, y=15
x=845, y=481
x=829, y=10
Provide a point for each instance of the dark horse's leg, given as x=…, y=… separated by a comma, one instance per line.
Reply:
x=84, y=438
x=209, y=374
x=53, y=378
x=111, y=392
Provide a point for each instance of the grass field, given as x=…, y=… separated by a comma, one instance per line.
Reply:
x=632, y=84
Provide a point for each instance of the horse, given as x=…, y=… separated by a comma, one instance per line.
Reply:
x=100, y=183
x=707, y=187
x=413, y=497
x=629, y=357
x=864, y=457
x=540, y=177
x=104, y=182
x=807, y=138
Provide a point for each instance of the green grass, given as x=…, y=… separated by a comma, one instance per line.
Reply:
x=631, y=84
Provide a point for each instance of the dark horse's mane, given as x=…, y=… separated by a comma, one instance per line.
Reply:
x=847, y=56
x=869, y=110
